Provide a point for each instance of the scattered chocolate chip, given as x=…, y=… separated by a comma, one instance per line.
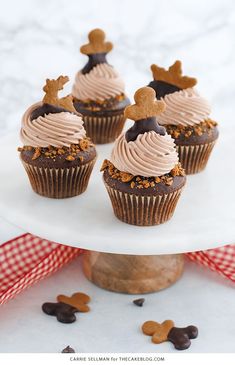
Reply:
x=139, y=302
x=63, y=312
x=68, y=350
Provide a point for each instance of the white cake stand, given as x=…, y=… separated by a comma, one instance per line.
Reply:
x=204, y=218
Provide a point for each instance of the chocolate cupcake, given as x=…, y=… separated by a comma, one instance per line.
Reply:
x=99, y=92
x=143, y=178
x=57, y=155
x=186, y=117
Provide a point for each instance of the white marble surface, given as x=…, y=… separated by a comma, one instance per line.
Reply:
x=41, y=38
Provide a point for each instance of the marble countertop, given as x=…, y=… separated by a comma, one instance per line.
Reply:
x=40, y=39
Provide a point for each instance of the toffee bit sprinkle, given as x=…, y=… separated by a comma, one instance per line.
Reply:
x=61, y=151
x=83, y=144
x=104, y=165
x=187, y=131
x=125, y=177
x=37, y=153
x=169, y=181
x=141, y=182
x=70, y=158
x=101, y=104
x=52, y=152
x=178, y=170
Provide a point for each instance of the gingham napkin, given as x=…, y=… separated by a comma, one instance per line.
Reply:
x=27, y=259
x=220, y=259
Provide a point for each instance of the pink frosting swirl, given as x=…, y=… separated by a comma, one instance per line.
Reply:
x=185, y=107
x=58, y=130
x=101, y=83
x=149, y=155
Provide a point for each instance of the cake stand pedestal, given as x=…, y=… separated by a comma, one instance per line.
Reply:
x=132, y=274
x=122, y=257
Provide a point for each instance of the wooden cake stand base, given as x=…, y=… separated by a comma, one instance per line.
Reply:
x=132, y=274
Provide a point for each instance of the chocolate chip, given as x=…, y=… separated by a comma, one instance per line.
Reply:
x=180, y=337
x=68, y=350
x=63, y=312
x=139, y=302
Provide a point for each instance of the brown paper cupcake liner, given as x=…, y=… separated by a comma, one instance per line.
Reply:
x=103, y=129
x=143, y=210
x=194, y=158
x=59, y=182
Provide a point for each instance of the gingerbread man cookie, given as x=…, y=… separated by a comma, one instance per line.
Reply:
x=166, y=331
x=96, y=43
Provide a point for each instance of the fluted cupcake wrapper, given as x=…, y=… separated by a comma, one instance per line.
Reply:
x=104, y=129
x=143, y=210
x=59, y=183
x=194, y=158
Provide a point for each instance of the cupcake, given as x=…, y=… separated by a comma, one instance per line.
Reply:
x=56, y=154
x=143, y=177
x=99, y=92
x=186, y=117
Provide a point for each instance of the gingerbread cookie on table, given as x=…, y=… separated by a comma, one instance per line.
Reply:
x=186, y=117
x=166, y=331
x=66, y=307
x=99, y=92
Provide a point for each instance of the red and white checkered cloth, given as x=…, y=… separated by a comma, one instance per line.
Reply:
x=27, y=259
x=220, y=259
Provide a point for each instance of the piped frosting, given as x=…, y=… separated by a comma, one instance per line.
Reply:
x=101, y=83
x=53, y=129
x=185, y=107
x=151, y=154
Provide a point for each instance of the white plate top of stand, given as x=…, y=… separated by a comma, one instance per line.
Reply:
x=204, y=217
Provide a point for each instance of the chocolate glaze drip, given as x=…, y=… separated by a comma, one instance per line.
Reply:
x=144, y=125
x=163, y=88
x=94, y=60
x=46, y=109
